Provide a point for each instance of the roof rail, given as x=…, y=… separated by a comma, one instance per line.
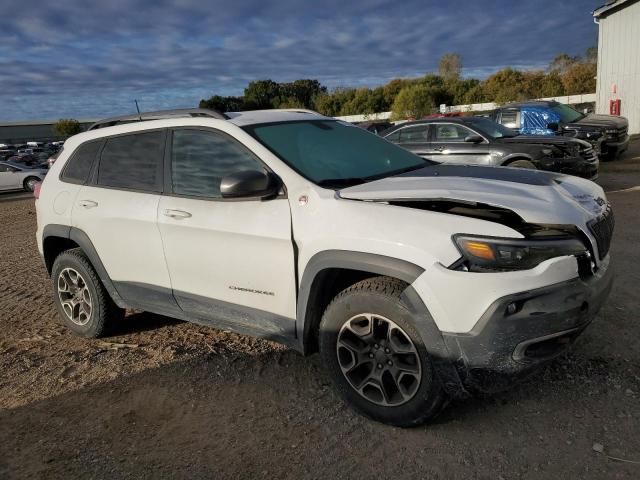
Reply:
x=299, y=110
x=159, y=115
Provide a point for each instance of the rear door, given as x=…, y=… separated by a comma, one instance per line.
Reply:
x=228, y=259
x=414, y=138
x=117, y=209
x=449, y=146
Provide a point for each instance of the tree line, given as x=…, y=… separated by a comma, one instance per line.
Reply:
x=417, y=97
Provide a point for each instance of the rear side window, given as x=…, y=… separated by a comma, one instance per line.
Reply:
x=133, y=162
x=79, y=165
x=509, y=119
x=417, y=134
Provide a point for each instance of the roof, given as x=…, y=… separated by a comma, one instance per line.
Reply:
x=531, y=103
x=612, y=7
x=267, y=116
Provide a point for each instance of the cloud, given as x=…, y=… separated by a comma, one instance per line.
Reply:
x=89, y=59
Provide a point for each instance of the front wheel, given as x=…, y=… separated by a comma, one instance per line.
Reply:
x=376, y=357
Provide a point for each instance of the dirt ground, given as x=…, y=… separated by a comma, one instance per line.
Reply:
x=184, y=401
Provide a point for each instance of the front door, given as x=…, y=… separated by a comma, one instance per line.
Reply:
x=229, y=260
x=448, y=145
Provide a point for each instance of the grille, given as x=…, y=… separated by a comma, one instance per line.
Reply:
x=602, y=230
x=589, y=154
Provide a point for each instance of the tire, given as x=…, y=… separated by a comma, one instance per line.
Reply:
x=82, y=301
x=522, y=163
x=29, y=183
x=376, y=302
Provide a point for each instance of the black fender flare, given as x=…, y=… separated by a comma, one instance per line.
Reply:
x=408, y=272
x=79, y=237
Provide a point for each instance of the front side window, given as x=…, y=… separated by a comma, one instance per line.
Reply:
x=133, y=162
x=331, y=153
x=449, y=132
x=79, y=165
x=200, y=159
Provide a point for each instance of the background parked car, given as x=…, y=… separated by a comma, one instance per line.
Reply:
x=15, y=177
x=608, y=134
x=479, y=140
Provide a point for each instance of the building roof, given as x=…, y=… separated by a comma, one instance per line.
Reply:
x=611, y=7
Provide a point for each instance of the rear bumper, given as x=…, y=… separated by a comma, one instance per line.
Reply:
x=521, y=331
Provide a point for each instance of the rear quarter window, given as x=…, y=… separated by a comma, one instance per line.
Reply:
x=79, y=166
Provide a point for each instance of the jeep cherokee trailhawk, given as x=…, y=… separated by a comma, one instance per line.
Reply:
x=416, y=282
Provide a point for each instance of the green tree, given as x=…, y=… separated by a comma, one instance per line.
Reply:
x=223, y=104
x=450, y=66
x=413, y=102
x=66, y=127
x=260, y=94
x=505, y=86
x=580, y=78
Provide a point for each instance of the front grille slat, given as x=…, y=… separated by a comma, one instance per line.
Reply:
x=602, y=229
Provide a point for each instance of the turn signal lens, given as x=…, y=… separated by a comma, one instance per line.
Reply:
x=478, y=249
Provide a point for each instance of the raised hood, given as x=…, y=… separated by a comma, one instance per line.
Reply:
x=537, y=197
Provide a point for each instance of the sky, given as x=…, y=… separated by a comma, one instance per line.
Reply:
x=87, y=59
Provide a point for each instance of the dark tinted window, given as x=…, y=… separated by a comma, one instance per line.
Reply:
x=133, y=162
x=200, y=159
x=417, y=134
x=449, y=132
x=79, y=165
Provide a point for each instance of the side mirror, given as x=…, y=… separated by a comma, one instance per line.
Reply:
x=473, y=139
x=249, y=184
x=553, y=126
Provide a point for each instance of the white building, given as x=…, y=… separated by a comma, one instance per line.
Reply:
x=619, y=59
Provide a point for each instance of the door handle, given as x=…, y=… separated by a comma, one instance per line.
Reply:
x=87, y=203
x=177, y=214
x=440, y=149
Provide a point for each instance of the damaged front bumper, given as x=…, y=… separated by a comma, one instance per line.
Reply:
x=521, y=331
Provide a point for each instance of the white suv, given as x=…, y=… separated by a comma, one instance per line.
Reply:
x=416, y=282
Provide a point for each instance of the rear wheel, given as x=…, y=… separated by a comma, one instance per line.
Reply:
x=29, y=183
x=522, y=163
x=376, y=357
x=82, y=301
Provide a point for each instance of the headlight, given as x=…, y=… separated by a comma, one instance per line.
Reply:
x=499, y=254
x=611, y=130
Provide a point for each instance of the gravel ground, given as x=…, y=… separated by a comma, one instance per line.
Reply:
x=169, y=399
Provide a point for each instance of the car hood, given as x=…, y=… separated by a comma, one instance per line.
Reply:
x=606, y=121
x=537, y=197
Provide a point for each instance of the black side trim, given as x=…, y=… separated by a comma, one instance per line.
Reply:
x=210, y=312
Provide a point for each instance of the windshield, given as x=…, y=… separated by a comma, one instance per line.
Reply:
x=566, y=113
x=334, y=154
x=491, y=128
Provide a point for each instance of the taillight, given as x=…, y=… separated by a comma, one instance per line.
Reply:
x=36, y=190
